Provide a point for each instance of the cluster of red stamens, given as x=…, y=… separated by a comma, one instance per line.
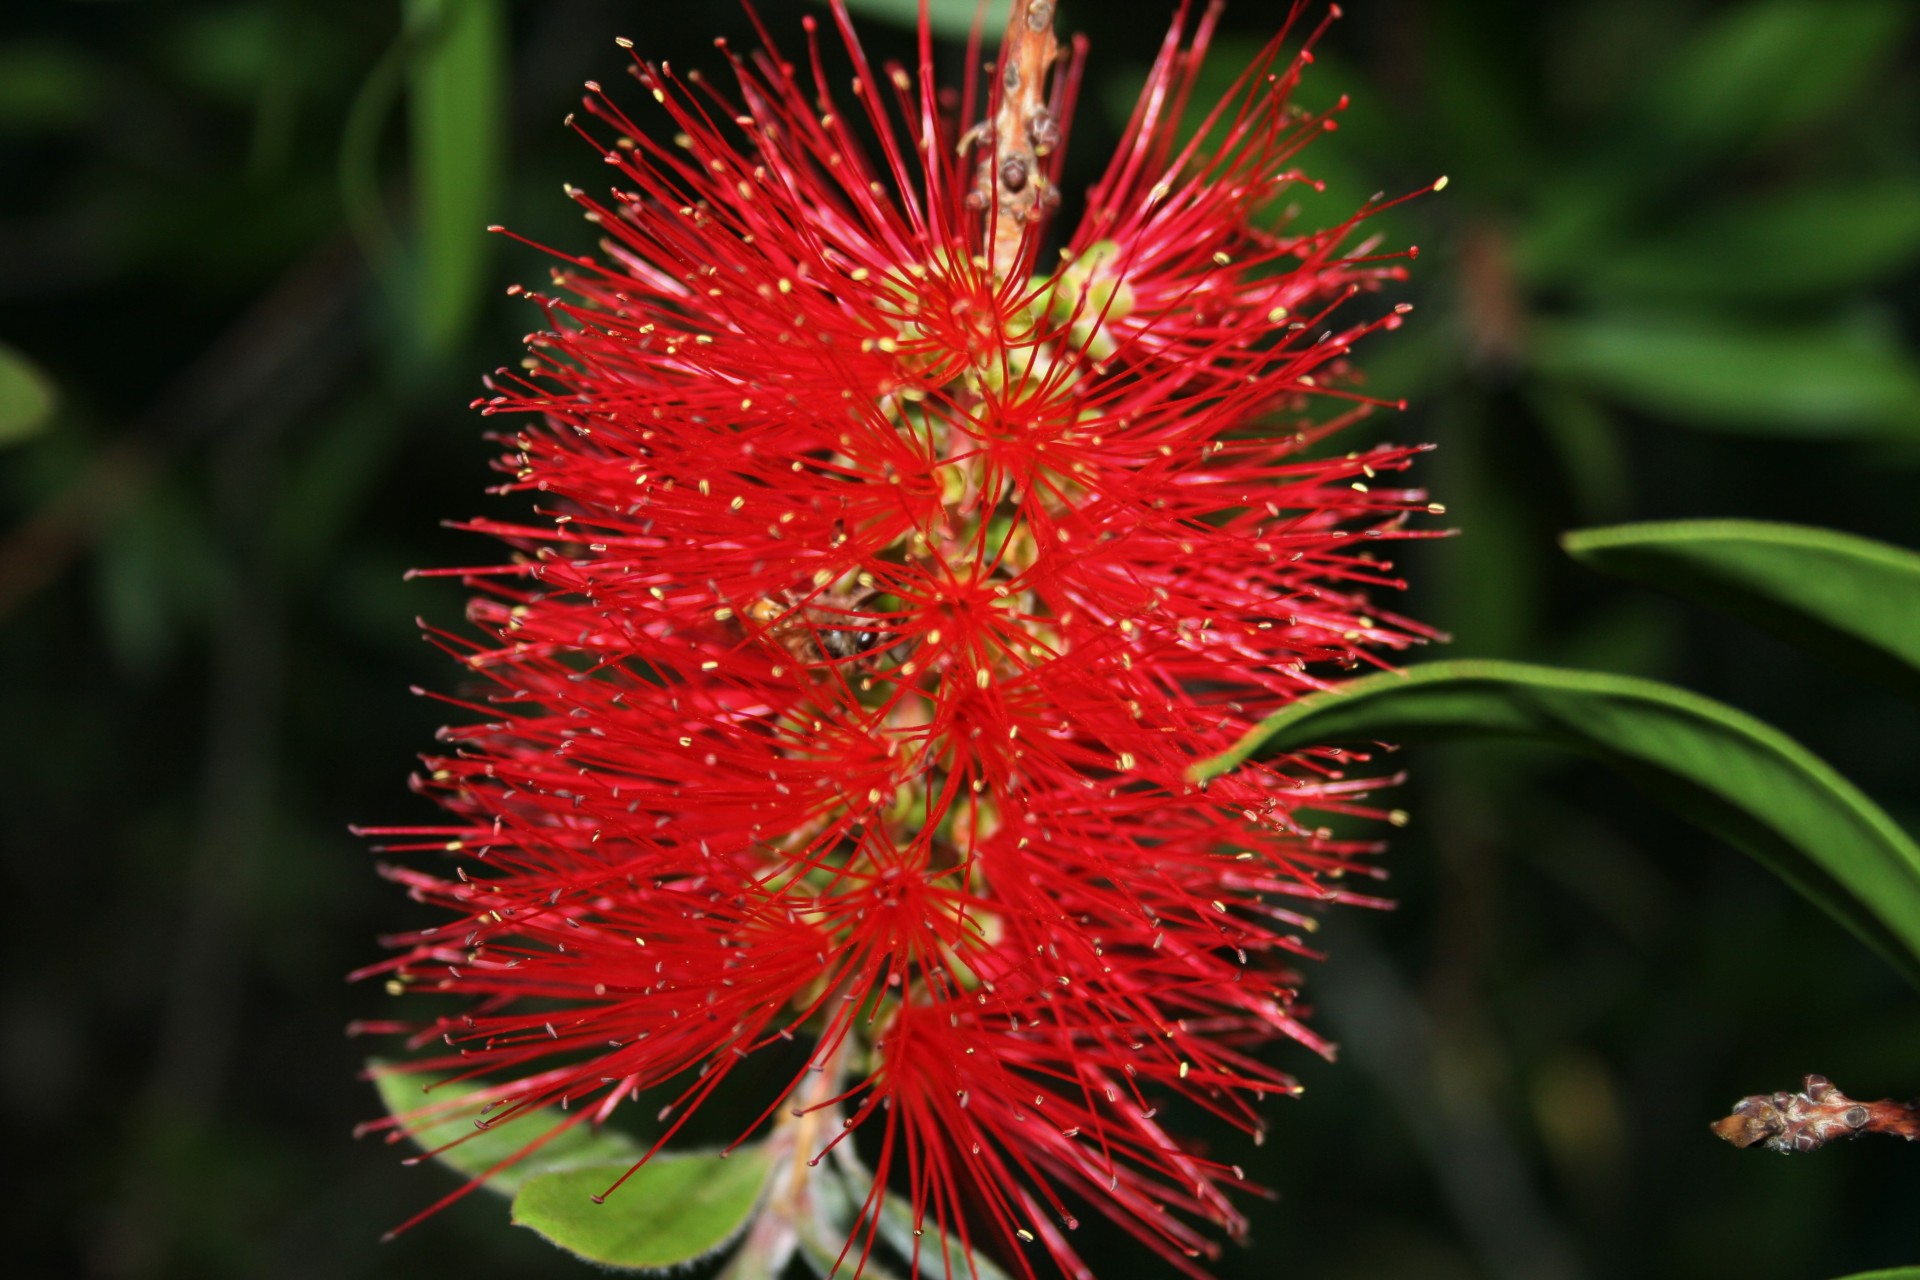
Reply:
x=886, y=586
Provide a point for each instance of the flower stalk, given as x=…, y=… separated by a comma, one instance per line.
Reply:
x=1026, y=130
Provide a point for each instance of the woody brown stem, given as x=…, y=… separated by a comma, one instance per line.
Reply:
x=1024, y=131
x=1791, y=1123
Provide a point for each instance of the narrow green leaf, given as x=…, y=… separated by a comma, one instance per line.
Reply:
x=938, y=1260
x=357, y=169
x=1588, y=442
x=26, y=397
x=1852, y=598
x=457, y=99
x=1893, y=1273
x=1763, y=71
x=1741, y=779
x=673, y=1210
x=408, y=1092
x=823, y=1259
x=1832, y=381
x=1802, y=242
x=837, y=1188
x=949, y=18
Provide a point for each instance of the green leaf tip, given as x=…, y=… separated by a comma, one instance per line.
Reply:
x=674, y=1209
x=1848, y=598
x=1729, y=773
x=441, y=1116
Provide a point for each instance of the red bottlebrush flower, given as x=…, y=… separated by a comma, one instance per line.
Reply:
x=889, y=581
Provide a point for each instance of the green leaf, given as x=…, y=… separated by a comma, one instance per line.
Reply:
x=1803, y=242
x=896, y=1227
x=1828, y=382
x=673, y=1210
x=1741, y=779
x=158, y=574
x=405, y=1092
x=26, y=397
x=952, y=19
x=1893, y=1273
x=1849, y=597
x=1764, y=71
x=47, y=88
x=1588, y=443
x=457, y=100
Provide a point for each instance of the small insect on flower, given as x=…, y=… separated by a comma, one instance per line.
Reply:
x=890, y=571
x=828, y=629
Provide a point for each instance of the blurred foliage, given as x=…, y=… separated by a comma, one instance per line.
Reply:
x=26, y=397
x=245, y=299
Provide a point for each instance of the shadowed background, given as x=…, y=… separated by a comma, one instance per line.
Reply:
x=245, y=299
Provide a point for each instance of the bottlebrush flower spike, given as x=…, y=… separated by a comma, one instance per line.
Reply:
x=887, y=584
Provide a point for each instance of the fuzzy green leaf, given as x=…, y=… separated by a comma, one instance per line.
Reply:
x=1892, y=1273
x=1829, y=381
x=674, y=1209
x=457, y=99
x=1741, y=779
x=482, y=1153
x=1850, y=598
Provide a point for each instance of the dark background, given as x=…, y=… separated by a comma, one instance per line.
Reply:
x=1673, y=276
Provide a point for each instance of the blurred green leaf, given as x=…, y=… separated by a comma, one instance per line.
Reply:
x=457, y=98
x=950, y=18
x=1762, y=71
x=1895, y=1273
x=46, y=87
x=443, y=1118
x=358, y=167
x=343, y=457
x=1722, y=769
x=157, y=574
x=1575, y=217
x=1802, y=242
x=941, y=1256
x=1487, y=595
x=1850, y=597
x=1833, y=380
x=226, y=52
x=1483, y=106
x=1631, y=636
x=1588, y=444
x=26, y=397
x=673, y=1210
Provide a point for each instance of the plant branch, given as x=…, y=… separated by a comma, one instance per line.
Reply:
x=1791, y=1123
x=1024, y=131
